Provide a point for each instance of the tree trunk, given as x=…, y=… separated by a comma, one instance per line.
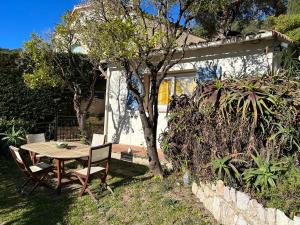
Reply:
x=150, y=138
x=81, y=118
x=80, y=114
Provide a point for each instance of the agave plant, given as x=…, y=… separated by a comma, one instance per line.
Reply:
x=251, y=99
x=264, y=174
x=225, y=169
x=13, y=137
x=286, y=135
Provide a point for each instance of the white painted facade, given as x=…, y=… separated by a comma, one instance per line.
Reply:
x=254, y=56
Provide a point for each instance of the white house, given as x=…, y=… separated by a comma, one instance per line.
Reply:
x=236, y=56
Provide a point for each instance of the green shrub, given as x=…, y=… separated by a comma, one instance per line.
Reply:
x=286, y=194
x=6, y=128
x=233, y=117
x=226, y=170
x=287, y=24
x=264, y=174
x=14, y=137
x=17, y=100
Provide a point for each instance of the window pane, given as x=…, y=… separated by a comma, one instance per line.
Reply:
x=165, y=92
x=185, y=85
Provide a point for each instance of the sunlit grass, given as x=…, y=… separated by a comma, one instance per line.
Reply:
x=138, y=198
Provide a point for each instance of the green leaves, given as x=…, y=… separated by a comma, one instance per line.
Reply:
x=264, y=173
x=287, y=24
x=225, y=169
x=41, y=69
x=14, y=137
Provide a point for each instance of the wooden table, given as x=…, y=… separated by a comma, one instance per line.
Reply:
x=75, y=151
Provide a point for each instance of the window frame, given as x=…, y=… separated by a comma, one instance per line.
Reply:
x=173, y=77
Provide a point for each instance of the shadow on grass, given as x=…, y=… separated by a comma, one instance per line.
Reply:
x=121, y=174
x=44, y=206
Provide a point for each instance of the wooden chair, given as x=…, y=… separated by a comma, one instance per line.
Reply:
x=36, y=173
x=98, y=155
x=35, y=138
x=98, y=139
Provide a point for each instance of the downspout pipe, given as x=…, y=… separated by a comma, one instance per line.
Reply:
x=107, y=76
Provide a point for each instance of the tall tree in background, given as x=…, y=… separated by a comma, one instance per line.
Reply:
x=52, y=63
x=139, y=43
x=216, y=18
x=289, y=23
x=293, y=7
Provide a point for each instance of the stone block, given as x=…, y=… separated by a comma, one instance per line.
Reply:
x=227, y=214
x=233, y=196
x=213, y=187
x=220, y=188
x=296, y=220
x=208, y=202
x=201, y=184
x=242, y=200
x=252, y=208
x=241, y=221
x=200, y=195
x=261, y=214
x=216, y=208
x=271, y=216
x=194, y=188
x=207, y=191
x=281, y=218
x=226, y=194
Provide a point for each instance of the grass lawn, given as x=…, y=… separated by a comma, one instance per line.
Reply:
x=138, y=198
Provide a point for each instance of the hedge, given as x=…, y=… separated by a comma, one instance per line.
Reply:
x=17, y=101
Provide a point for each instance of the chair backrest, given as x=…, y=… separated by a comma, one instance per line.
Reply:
x=98, y=139
x=100, y=153
x=34, y=138
x=18, y=159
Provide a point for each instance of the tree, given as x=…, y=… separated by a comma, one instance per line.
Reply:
x=52, y=63
x=216, y=18
x=289, y=23
x=293, y=7
x=138, y=42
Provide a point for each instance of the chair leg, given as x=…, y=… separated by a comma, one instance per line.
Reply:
x=86, y=189
x=25, y=183
x=42, y=183
x=33, y=188
x=20, y=188
x=106, y=186
x=83, y=186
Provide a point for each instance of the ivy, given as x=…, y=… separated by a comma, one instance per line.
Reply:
x=18, y=101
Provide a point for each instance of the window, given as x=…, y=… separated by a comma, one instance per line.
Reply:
x=165, y=92
x=184, y=85
x=176, y=85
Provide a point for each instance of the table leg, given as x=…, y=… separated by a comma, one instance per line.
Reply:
x=58, y=165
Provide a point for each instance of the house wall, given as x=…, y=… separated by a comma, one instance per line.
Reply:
x=124, y=126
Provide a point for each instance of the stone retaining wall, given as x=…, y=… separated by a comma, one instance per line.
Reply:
x=232, y=207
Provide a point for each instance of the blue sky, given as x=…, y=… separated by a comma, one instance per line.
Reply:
x=19, y=18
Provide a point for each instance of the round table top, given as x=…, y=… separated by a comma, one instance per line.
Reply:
x=75, y=150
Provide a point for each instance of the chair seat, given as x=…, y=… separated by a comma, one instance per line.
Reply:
x=39, y=167
x=94, y=169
